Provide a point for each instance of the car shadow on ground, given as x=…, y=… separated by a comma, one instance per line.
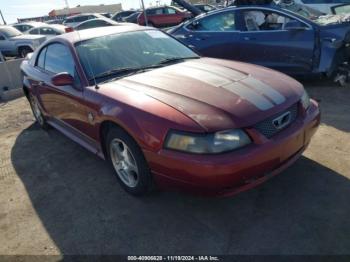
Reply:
x=305, y=210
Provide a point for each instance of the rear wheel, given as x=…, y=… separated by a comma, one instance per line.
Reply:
x=128, y=162
x=23, y=51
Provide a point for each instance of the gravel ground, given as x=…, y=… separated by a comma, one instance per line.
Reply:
x=57, y=198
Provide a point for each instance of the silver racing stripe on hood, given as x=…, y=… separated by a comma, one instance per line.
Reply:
x=233, y=75
x=250, y=95
x=209, y=78
x=264, y=89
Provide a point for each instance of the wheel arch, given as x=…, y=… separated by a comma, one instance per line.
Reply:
x=106, y=125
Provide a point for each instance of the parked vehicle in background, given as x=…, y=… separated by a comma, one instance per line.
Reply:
x=48, y=30
x=107, y=15
x=24, y=27
x=15, y=43
x=271, y=37
x=227, y=127
x=119, y=16
x=133, y=18
x=205, y=7
x=163, y=16
x=98, y=22
x=74, y=20
x=324, y=6
x=55, y=22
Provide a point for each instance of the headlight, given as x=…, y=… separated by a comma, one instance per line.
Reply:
x=209, y=143
x=305, y=100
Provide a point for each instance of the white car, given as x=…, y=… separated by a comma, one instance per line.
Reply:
x=25, y=26
x=324, y=6
x=75, y=20
x=48, y=31
x=14, y=43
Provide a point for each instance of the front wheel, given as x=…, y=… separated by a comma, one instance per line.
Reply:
x=39, y=117
x=128, y=162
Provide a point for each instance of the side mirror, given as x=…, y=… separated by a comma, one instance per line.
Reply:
x=294, y=26
x=62, y=79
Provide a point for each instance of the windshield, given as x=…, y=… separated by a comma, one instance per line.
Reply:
x=132, y=50
x=10, y=32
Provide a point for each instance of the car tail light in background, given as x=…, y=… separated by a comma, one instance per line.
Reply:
x=69, y=29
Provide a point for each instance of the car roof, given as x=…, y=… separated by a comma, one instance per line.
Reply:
x=34, y=23
x=82, y=35
x=83, y=14
x=59, y=27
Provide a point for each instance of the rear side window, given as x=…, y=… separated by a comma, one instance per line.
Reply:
x=81, y=18
x=59, y=59
x=47, y=31
x=170, y=11
x=34, y=31
x=222, y=22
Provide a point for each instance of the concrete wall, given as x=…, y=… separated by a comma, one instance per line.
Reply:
x=10, y=75
x=87, y=9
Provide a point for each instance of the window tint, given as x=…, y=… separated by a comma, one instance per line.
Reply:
x=92, y=24
x=81, y=18
x=220, y=22
x=41, y=60
x=59, y=59
x=170, y=11
x=257, y=20
x=47, y=31
x=69, y=20
x=34, y=31
x=155, y=11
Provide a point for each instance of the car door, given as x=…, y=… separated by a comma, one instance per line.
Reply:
x=171, y=16
x=6, y=46
x=268, y=40
x=64, y=104
x=214, y=35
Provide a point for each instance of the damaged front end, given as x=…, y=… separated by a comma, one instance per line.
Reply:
x=335, y=49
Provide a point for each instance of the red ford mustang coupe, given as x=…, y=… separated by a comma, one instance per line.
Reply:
x=165, y=117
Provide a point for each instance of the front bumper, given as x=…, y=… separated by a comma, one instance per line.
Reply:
x=230, y=173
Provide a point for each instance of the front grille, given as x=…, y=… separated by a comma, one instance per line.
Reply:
x=266, y=126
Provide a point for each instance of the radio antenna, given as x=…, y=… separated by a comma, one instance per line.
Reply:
x=89, y=65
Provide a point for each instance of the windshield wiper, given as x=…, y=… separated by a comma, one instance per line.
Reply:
x=171, y=60
x=115, y=71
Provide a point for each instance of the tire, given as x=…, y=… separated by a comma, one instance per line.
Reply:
x=39, y=117
x=23, y=51
x=128, y=162
x=150, y=24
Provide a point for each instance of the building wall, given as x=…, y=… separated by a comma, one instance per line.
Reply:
x=87, y=9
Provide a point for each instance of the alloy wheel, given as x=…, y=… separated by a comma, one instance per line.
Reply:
x=124, y=163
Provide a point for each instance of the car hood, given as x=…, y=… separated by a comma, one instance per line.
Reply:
x=28, y=37
x=218, y=94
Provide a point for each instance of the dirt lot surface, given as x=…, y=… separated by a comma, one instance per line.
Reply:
x=57, y=198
